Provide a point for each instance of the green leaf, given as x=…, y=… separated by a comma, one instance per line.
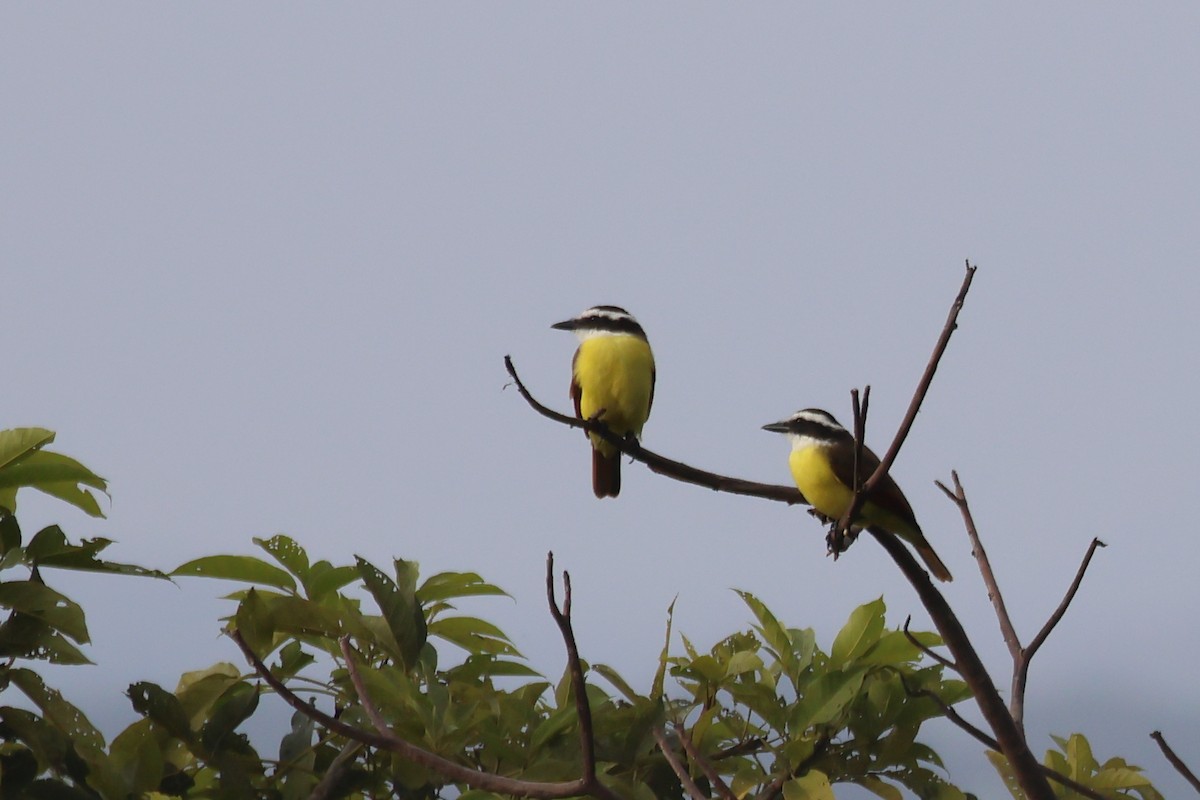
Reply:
x=46, y=742
x=398, y=602
x=879, y=787
x=813, y=785
x=826, y=699
x=43, y=603
x=10, y=533
x=285, y=550
x=656, y=688
x=473, y=635
x=50, y=548
x=23, y=636
x=18, y=442
x=448, y=585
x=612, y=676
x=137, y=758
x=237, y=568
x=1001, y=765
x=231, y=709
x=860, y=632
x=55, y=474
x=774, y=634
x=163, y=708
x=85, y=739
x=324, y=578
x=255, y=624
x=296, y=615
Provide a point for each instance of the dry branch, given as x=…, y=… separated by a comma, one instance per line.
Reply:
x=1175, y=760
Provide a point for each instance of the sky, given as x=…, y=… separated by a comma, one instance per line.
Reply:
x=262, y=264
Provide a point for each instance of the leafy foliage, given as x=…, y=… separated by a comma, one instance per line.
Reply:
x=1114, y=778
x=766, y=709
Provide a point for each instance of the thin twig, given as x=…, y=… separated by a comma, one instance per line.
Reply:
x=936, y=656
x=706, y=767
x=914, y=405
x=587, y=744
x=677, y=766
x=392, y=743
x=1066, y=601
x=1175, y=760
x=959, y=498
x=661, y=464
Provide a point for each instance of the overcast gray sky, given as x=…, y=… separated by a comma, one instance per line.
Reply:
x=262, y=263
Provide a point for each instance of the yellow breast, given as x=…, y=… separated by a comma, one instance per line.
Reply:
x=616, y=374
x=817, y=482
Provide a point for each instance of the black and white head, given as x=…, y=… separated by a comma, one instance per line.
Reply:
x=602, y=321
x=809, y=427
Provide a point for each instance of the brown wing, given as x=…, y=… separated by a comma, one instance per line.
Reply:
x=653, y=379
x=576, y=391
x=886, y=494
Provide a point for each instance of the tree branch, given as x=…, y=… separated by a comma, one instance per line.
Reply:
x=392, y=743
x=706, y=767
x=1021, y=656
x=1009, y=738
x=959, y=498
x=938, y=657
x=681, y=772
x=587, y=744
x=1175, y=760
x=987, y=741
x=914, y=405
x=657, y=463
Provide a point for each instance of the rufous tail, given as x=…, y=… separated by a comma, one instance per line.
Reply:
x=606, y=474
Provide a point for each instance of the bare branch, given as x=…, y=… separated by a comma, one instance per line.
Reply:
x=914, y=405
x=1021, y=656
x=587, y=745
x=959, y=498
x=677, y=766
x=392, y=743
x=1010, y=740
x=660, y=464
x=1066, y=601
x=922, y=389
x=706, y=767
x=1175, y=760
x=938, y=657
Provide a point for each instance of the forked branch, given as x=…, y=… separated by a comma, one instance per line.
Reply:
x=1021, y=655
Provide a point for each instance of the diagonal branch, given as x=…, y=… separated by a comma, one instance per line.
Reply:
x=1021, y=656
x=394, y=744
x=1175, y=760
x=705, y=765
x=677, y=766
x=914, y=405
x=936, y=656
x=1010, y=740
x=987, y=741
x=959, y=498
x=657, y=463
x=1066, y=601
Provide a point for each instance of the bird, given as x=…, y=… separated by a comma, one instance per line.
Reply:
x=612, y=381
x=822, y=464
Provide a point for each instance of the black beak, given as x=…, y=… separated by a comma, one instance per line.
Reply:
x=776, y=427
x=565, y=325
